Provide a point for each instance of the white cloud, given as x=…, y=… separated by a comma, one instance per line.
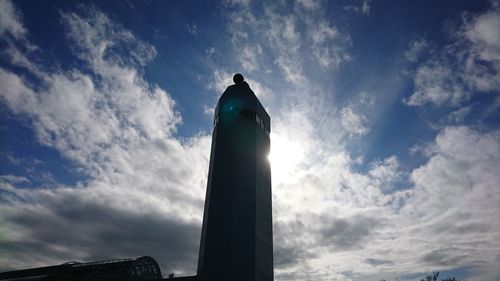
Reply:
x=482, y=32
x=249, y=57
x=363, y=8
x=437, y=84
x=243, y=3
x=467, y=66
x=13, y=179
x=454, y=117
x=329, y=45
x=290, y=40
x=117, y=129
x=311, y=4
x=386, y=173
x=320, y=207
x=10, y=20
x=455, y=201
x=416, y=48
x=284, y=38
x=464, y=160
x=352, y=122
x=209, y=111
x=458, y=116
x=219, y=81
x=446, y=220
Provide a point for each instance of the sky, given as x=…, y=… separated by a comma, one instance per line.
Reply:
x=385, y=131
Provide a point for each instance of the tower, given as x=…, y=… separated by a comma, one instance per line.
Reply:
x=237, y=239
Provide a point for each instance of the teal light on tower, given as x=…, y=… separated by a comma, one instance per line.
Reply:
x=237, y=236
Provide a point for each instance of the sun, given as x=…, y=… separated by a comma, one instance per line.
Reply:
x=285, y=157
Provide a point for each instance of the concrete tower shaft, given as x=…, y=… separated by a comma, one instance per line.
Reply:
x=237, y=241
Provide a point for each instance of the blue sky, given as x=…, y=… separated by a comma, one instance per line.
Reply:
x=385, y=131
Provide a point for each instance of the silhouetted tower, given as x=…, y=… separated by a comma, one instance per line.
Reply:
x=237, y=238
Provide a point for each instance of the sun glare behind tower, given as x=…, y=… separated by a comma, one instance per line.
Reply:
x=237, y=239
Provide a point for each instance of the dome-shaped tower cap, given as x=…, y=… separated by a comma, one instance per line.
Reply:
x=238, y=78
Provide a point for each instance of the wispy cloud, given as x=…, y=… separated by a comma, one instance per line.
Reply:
x=353, y=123
x=13, y=179
x=469, y=65
x=10, y=20
x=416, y=49
x=363, y=8
x=329, y=45
x=277, y=34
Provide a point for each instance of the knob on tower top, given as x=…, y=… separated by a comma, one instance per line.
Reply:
x=238, y=78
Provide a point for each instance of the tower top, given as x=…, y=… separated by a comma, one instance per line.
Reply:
x=240, y=97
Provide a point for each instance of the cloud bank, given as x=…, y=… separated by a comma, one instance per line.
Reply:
x=142, y=189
